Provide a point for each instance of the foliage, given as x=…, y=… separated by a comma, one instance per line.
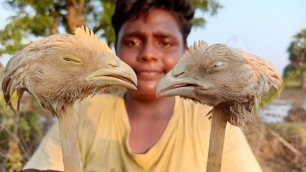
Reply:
x=267, y=99
x=297, y=55
x=293, y=77
x=297, y=48
x=19, y=135
x=297, y=52
x=48, y=17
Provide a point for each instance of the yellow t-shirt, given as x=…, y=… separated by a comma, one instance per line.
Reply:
x=103, y=136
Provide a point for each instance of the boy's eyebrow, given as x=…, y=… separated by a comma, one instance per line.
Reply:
x=158, y=34
x=161, y=34
x=133, y=34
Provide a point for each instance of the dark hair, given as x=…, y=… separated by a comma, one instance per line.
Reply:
x=182, y=10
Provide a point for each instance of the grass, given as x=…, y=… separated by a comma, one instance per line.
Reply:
x=272, y=154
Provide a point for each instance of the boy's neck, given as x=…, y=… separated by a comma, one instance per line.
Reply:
x=162, y=107
x=148, y=121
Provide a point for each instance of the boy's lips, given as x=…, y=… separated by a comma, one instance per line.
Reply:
x=146, y=74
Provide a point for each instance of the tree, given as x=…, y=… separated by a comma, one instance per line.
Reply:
x=48, y=17
x=297, y=52
x=297, y=57
x=297, y=48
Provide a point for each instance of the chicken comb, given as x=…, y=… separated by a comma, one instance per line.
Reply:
x=90, y=38
x=200, y=45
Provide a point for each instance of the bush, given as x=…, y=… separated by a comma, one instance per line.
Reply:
x=20, y=134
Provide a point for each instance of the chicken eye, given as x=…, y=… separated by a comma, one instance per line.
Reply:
x=218, y=64
x=215, y=67
x=72, y=60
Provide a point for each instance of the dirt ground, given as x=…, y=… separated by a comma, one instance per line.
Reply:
x=281, y=147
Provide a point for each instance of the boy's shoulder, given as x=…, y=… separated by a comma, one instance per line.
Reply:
x=100, y=99
x=95, y=106
x=193, y=106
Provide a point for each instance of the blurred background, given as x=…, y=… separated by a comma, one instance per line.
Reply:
x=274, y=30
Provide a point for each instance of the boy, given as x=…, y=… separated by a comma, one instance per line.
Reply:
x=136, y=131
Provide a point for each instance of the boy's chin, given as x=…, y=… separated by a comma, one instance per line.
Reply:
x=144, y=93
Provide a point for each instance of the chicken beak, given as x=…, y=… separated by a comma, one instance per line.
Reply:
x=186, y=87
x=170, y=86
x=118, y=74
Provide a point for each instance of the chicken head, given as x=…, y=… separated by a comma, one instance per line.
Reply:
x=219, y=75
x=65, y=68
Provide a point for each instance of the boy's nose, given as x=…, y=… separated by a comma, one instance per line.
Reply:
x=149, y=53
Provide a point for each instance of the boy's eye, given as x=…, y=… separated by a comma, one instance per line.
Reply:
x=132, y=42
x=165, y=43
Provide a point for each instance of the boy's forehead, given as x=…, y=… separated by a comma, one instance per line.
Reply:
x=138, y=32
x=156, y=22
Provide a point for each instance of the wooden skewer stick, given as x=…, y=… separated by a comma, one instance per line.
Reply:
x=216, y=141
x=69, y=139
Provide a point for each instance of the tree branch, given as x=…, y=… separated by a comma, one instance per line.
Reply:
x=285, y=143
x=81, y=5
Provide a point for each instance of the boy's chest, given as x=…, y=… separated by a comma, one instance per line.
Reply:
x=145, y=133
x=171, y=152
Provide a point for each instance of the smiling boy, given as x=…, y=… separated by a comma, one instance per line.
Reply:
x=136, y=131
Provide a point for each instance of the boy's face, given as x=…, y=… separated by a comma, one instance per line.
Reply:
x=151, y=45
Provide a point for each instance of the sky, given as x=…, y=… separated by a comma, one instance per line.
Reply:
x=264, y=27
